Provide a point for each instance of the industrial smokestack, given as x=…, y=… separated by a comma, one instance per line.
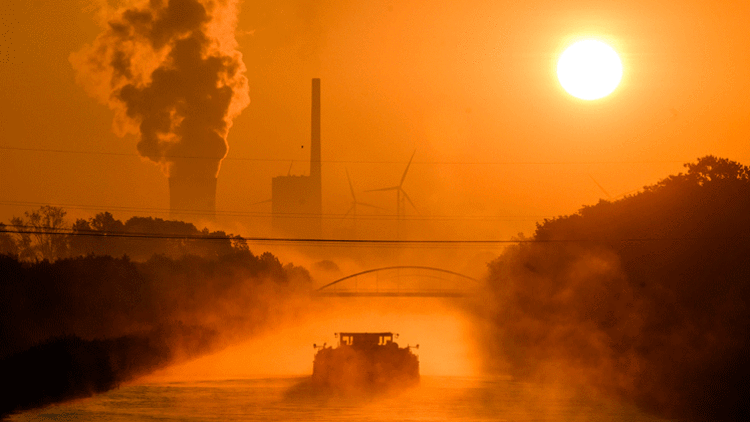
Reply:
x=297, y=202
x=315, y=177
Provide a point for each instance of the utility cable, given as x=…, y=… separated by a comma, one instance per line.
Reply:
x=286, y=160
x=21, y=229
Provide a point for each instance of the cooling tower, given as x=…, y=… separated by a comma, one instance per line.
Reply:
x=192, y=190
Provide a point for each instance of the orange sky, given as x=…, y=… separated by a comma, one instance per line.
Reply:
x=469, y=84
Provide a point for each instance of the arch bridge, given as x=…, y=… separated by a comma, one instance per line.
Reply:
x=402, y=281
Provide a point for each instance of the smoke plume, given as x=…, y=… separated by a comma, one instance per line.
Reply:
x=171, y=71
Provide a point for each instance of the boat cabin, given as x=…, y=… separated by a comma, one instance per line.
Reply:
x=365, y=340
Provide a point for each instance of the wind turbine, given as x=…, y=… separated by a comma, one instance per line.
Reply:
x=609, y=197
x=601, y=188
x=353, y=208
x=401, y=195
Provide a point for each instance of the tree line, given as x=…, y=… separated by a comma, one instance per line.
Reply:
x=45, y=234
x=646, y=298
x=89, y=305
x=77, y=326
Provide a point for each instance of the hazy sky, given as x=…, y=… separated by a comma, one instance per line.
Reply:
x=469, y=85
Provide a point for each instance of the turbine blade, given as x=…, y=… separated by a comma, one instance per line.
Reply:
x=410, y=201
x=384, y=189
x=261, y=202
x=348, y=212
x=403, y=177
x=351, y=188
x=370, y=205
x=600, y=187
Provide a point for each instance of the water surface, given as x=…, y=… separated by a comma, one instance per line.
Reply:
x=292, y=399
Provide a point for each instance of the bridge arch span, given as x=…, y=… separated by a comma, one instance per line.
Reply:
x=443, y=283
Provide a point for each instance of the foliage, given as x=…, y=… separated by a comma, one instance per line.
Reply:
x=38, y=236
x=647, y=297
x=44, y=234
x=7, y=244
x=142, y=237
x=77, y=326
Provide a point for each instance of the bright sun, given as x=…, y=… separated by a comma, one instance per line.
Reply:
x=589, y=69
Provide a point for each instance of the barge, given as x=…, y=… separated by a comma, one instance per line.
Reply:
x=365, y=361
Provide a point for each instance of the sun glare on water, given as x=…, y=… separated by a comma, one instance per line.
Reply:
x=589, y=69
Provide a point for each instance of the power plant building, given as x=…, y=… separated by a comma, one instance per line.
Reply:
x=297, y=202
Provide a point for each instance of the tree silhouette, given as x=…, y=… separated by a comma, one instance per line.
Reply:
x=105, y=222
x=7, y=244
x=78, y=326
x=80, y=243
x=646, y=297
x=708, y=169
x=38, y=236
x=168, y=237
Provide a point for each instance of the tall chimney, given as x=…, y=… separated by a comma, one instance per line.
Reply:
x=315, y=177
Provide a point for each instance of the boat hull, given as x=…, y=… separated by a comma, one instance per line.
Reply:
x=374, y=368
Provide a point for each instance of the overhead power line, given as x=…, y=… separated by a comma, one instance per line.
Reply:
x=262, y=214
x=287, y=160
x=26, y=229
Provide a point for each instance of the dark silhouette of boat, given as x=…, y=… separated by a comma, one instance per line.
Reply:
x=365, y=361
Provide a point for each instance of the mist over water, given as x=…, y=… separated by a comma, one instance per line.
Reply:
x=436, y=398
